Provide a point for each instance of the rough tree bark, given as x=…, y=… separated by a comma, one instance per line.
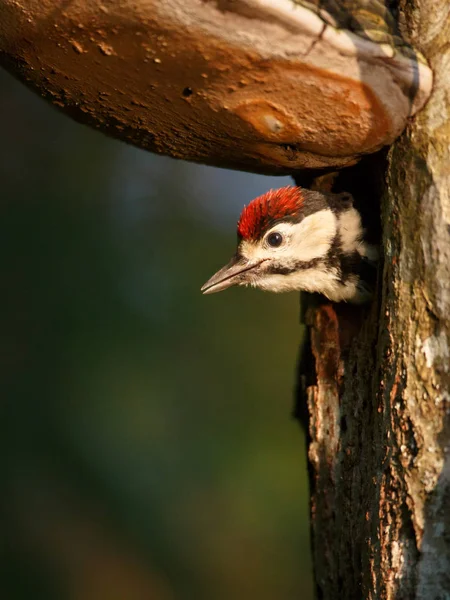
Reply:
x=271, y=91
x=379, y=406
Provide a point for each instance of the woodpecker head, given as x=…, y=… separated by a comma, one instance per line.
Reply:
x=295, y=239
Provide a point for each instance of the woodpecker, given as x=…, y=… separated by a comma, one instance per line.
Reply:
x=296, y=239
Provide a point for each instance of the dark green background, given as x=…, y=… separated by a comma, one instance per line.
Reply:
x=148, y=445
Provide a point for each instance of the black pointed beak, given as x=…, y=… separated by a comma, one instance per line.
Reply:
x=234, y=273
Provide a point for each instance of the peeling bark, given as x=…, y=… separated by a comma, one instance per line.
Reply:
x=379, y=406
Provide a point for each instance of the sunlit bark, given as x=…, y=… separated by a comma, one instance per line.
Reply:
x=379, y=406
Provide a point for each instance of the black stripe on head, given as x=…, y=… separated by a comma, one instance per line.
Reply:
x=349, y=265
x=332, y=258
x=301, y=265
x=354, y=264
x=315, y=201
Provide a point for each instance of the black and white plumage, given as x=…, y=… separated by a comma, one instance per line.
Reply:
x=296, y=239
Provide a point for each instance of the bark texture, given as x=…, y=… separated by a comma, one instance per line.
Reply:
x=379, y=406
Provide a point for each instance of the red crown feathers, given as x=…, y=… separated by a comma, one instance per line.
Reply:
x=262, y=211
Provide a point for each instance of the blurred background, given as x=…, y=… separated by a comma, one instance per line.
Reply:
x=149, y=450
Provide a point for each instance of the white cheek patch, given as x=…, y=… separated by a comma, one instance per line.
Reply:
x=304, y=241
x=313, y=237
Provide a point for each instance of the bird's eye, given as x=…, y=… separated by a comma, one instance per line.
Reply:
x=275, y=239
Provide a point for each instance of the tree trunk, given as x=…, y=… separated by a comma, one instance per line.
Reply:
x=379, y=403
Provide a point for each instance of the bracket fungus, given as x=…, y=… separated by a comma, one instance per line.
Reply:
x=293, y=84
